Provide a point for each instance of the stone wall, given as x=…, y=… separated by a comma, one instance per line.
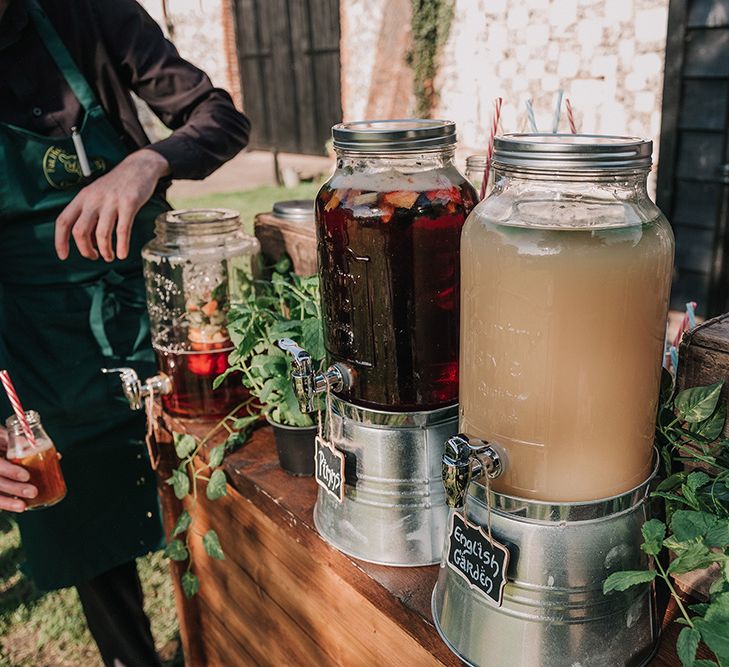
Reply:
x=607, y=55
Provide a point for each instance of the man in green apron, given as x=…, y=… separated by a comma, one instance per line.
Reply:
x=71, y=287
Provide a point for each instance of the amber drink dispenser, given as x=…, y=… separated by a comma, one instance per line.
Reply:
x=389, y=226
x=196, y=267
x=565, y=278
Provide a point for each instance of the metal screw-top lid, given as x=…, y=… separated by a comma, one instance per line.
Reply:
x=391, y=136
x=571, y=152
x=295, y=210
x=198, y=221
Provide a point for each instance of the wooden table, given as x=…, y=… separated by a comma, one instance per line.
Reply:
x=283, y=596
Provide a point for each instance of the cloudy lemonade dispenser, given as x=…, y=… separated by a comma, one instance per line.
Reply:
x=389, y=225
x=565, y=276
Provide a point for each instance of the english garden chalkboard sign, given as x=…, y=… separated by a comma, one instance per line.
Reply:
x=329, y=468
x=480, y=561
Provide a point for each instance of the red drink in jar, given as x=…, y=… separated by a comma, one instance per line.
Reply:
x=389, y=229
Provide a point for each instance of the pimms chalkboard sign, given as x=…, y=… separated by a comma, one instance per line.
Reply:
x=329, y=468
x=480, y=561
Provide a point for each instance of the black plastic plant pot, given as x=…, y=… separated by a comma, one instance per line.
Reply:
x=295, y=445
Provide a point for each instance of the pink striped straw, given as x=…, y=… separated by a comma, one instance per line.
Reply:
x=490, y=148
x=570, y=115
x=17, y=407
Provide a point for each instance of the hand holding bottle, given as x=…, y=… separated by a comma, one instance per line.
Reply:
x=12, y=481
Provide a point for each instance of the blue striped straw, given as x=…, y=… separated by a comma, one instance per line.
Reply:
x=557, y=112
x=674, y=358
x=530, y=114
x=691, y=312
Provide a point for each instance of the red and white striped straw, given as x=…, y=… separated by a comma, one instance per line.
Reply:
x=490, y=148
x=570, y=116
x=17, y=407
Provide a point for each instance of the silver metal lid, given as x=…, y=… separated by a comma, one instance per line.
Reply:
x=572, y=152
x=296, y=210
x=391, y=136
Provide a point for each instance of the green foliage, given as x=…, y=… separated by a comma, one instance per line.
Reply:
x=176, y=550
x=430, y=25
x=620, y=581
x=211, y=542
x=287, y=306
x=190, y=584
x=216, y=485
x=182, y=524
x=696, y=494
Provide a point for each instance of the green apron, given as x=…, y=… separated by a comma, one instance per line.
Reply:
x=60, y=322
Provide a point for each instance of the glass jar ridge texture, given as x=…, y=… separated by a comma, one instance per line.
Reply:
x=196, y=267
x=566, y=273
x=40, y=459
x=389, y=225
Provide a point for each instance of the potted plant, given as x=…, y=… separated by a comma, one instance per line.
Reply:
x=287, y=306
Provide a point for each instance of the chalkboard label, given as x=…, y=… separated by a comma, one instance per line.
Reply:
x=329, y=466
x=480, y=561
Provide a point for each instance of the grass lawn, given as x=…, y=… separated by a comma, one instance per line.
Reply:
x=249, y=202
x=49, y=630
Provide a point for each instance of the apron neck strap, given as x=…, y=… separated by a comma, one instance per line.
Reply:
x=61, y=56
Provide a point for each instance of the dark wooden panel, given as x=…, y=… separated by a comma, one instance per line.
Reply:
x=699, y=155
x=696, y=204
x=707, y=53
x=289, y=61
x=689, y=286
x=694, y=248
x=709, y=14
x=704, y=104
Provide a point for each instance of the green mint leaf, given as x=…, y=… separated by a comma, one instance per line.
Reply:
x=620, y=581
x=669, y=496
x=216, y=486
x=244, y=422
x=176, y=550
x=713, y=627
x=696, y=404
x=190, y=584
x=182, y=524
x=686, y=645
x=704, y=663
x=699, y=609
x=697, y=479
x=184, y=445
x=211, y=542
x=215, y=458
x=180, y=483
x=672, y=482
x=667, y=386
x=690, y=524
x=654, y=532
x=221, y=378
x=690, y=556
x=718, y=534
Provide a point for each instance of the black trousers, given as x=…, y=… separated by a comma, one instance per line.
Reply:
x=113, y=605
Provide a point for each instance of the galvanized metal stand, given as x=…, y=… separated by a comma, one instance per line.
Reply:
x=394, y=510
x=554, y=612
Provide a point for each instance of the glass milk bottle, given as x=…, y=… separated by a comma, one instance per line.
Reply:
x=40, y=459
x=566, y=273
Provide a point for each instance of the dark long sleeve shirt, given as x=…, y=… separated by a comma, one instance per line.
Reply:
x=120, y=49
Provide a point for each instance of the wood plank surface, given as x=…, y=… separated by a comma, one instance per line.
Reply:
x=283, y=596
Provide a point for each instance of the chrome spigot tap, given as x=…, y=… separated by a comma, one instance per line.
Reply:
x=466, y=460
x=134, y=391
x=307, y=382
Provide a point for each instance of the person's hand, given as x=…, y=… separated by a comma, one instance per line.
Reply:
x=110, y=203
x=11, y=480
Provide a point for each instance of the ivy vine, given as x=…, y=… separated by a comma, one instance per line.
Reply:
x=430, y=25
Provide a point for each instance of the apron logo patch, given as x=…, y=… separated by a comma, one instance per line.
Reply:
x=62, y=170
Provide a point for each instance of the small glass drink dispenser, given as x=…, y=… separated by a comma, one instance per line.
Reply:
x=565, y=277
x=389, y=225
x=198, y=264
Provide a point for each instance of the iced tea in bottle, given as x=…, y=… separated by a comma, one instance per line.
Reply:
x=41, y=460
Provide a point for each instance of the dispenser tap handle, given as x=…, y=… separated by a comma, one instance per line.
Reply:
x=307, y=382
x=134, y=391
x=465, y=460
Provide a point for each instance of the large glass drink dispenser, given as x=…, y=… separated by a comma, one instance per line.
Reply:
x=198, y=264
x=565, y=279
x=389, y=225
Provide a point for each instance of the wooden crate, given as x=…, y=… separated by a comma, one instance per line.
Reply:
x=297, y=239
